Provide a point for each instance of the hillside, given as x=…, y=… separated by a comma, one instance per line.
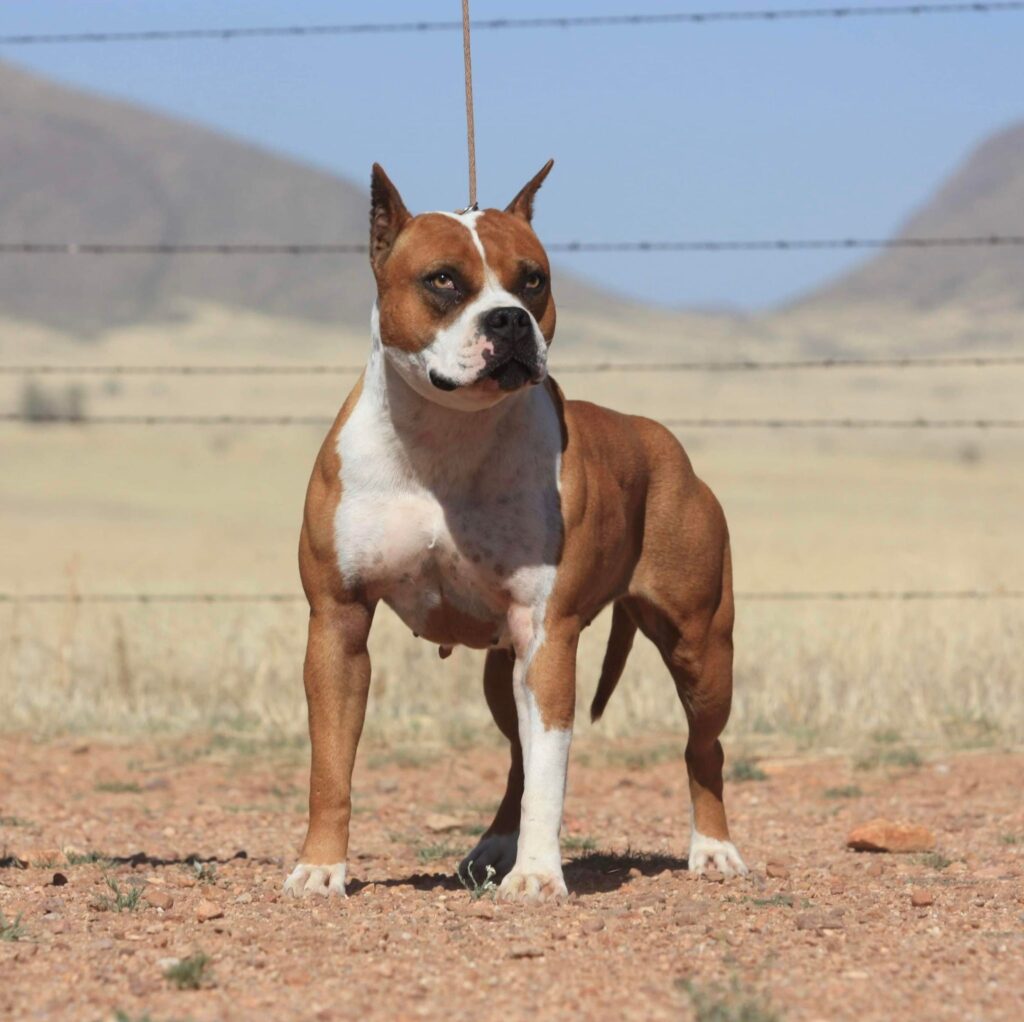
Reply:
x=985, y=195
x=74, y=166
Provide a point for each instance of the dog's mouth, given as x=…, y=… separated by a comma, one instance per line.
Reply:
x=508, y=374
x=511, y=373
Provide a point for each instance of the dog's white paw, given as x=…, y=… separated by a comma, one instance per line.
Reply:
x=307, y=880
x=707, y=852
x=497, y=851
x=533, y=887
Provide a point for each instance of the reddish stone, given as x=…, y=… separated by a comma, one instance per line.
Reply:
x=886, y=836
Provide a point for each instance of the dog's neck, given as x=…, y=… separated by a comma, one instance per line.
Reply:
x=436, y=441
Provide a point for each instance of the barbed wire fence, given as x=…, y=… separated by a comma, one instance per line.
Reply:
x=764, y=596
x=778, y=15
x=696, y=366
x=222, y=248
x=698, y=246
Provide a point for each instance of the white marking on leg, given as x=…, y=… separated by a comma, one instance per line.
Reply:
x=706, y=852
x=307, y=880
x=537, y=874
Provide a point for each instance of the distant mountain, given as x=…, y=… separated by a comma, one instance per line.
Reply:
x=984, y=196
x=74, y=166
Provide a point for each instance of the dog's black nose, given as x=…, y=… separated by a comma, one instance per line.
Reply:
x=509, y=323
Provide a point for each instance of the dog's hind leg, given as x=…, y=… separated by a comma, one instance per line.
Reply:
x=704, y=684
x=497, y=847
x=691, y=624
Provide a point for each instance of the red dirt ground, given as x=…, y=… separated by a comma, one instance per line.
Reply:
x=815, y=932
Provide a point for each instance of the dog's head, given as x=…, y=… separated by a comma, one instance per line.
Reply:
x=464, y=301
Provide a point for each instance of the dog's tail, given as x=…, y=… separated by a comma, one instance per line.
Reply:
x=620, y=642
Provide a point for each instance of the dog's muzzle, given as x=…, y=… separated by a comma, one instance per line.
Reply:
x=515, y=360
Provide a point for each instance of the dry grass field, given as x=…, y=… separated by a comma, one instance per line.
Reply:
x=145, y=749
x=181, y=509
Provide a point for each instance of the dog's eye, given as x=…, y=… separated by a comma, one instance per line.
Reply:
x=442, y=281
x=534, y=282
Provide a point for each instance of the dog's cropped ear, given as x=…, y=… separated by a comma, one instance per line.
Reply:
x=522, y=204
x=388, y=216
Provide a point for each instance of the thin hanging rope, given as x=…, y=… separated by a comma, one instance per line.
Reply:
x=470, y=128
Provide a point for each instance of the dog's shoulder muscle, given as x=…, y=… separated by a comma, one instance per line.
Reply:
x=318, y=559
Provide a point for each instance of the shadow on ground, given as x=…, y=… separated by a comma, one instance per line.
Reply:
x=592, y=873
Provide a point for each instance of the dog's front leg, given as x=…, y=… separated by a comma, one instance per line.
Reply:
x=337, y=680
x=544, y=682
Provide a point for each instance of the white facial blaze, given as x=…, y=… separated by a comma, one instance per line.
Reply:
x=459, y=351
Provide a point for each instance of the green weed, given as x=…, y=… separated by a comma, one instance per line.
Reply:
x=432, y=853
x=123, y=900
x=578, y=843
x=734, y=1003
x=118, y=787
x=487, y=889
x=746, y=769
x=843, y=791
x=190, y=973
x=11, y=930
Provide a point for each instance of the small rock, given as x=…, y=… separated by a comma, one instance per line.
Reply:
x=140, y=986
x=59, y=880
x=920, y=898
x=525, y=951
x=207, y=910
x=593, y=925
x=881, y=835
x=163, y=964
x=956, y=869
x=159, y=899
x=714, y=876
x=441, y=823
x=837, y=886
x=777, y=871
x=818, y=920
x=874, y=869
x=634, y=873
x=245, y=898
x=479, y=910
x=52, y=905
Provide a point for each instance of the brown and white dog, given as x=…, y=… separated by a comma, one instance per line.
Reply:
x=459, y=486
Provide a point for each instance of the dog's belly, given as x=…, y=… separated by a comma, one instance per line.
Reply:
x=451, y=573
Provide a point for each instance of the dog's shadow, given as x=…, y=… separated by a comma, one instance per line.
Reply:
x=601, y=872
x=591, y=873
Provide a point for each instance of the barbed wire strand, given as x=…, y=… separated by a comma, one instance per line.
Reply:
x=694, y=423
x=770, y=15
x=712, y=366
x=79, y=248
x=779, y=596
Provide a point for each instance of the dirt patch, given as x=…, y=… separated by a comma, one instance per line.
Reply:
x=153, y=888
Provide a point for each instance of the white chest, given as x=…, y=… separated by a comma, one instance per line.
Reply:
x=451, y=524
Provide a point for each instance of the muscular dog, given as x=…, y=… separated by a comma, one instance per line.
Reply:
x=459, y=486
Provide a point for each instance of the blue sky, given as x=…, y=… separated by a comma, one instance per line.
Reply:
x=795, y=129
